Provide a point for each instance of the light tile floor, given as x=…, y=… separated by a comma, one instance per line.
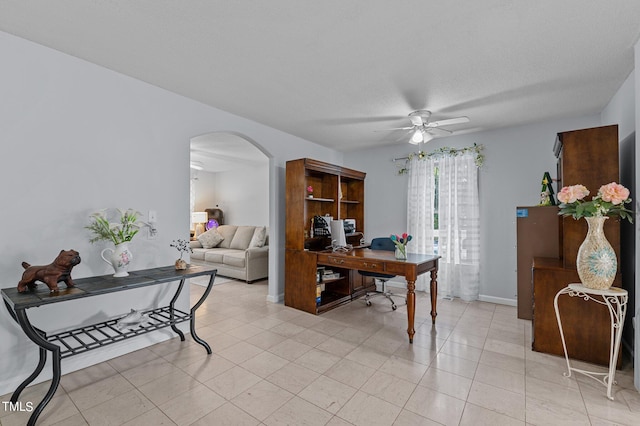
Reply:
x=273, y=365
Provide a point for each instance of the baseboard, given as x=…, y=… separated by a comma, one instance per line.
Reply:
x=277, y=299
x=482, y=298
x=498, y=300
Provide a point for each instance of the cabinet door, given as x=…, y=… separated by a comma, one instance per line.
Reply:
x=300, y=280
x=538, y=235
x=588, y=157
x=586, y=324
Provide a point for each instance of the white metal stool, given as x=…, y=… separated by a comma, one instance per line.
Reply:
x=616, y=300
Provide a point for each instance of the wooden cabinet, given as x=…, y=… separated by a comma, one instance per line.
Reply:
x=586, y=325
x=538, y=234
x=337, y=192
x=588, y=157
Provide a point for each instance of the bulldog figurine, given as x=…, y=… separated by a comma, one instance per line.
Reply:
x=52, y=274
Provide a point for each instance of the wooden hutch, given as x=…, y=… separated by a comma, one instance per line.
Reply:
x=337, y=192
x=588, y=157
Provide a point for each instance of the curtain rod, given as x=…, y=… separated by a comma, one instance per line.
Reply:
x=401, y=158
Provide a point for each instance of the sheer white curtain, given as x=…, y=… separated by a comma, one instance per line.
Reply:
x=420, y=211
x=458, y=221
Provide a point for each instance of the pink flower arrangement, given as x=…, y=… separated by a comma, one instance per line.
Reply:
x=310, y=189
x=571, y=194
x=610, y=200
x=614, y=193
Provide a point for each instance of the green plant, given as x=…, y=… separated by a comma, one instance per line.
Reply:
x=117, y=232
x=444, y=151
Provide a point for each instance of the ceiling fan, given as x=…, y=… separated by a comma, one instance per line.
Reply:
x=424, y=130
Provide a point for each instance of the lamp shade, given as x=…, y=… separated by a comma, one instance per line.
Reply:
x=199, y=217
x=417, y=136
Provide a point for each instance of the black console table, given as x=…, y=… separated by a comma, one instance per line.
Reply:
x=83, y=339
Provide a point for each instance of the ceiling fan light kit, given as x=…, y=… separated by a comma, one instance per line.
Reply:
x=424, y=130
x=420, y=136
x=417, y=136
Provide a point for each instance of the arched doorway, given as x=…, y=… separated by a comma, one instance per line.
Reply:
x=231, y=172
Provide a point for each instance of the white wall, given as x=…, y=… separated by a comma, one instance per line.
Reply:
x=205, y=191
x=77, y=137
x=621, y=110
x=515, y=161
x=243, y=195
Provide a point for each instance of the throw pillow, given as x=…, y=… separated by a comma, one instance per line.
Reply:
x=259, y=237
x=242, y=237
x=210, y=239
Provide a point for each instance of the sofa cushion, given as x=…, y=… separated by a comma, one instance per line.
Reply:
x=259, y=237
x=198, y=253
x=227, y=231
x=210, y=239
x=242, y=237
x=234, y=258
x=217, y=255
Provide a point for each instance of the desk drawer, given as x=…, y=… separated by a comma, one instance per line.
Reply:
x=395, y=268
x=367, y=265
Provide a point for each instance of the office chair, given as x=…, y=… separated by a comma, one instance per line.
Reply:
x=380, y=244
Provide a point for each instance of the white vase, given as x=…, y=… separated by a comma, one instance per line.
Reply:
x=401, y=254
x=119, y=259
x=596, y=263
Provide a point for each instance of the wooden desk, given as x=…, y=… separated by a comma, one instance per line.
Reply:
x=386, y=263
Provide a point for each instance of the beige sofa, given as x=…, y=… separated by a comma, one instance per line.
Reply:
x=240, y=252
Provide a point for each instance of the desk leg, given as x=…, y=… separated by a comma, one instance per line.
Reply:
x=411, y=308
x=193, y=314
x=434, y=295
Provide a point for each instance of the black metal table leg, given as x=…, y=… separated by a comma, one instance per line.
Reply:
x=171, y=313
x=41, y=362
x=39, y=340
x=18, y=303
x=192, y=323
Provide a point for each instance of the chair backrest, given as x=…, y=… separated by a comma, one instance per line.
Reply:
x=382, y=243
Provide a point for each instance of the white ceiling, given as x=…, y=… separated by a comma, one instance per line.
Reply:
x=221, y=152
x=335, y=71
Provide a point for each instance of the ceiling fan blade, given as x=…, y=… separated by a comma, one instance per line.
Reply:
x=438, y=131
x=404, y=137
x=448, y=122
x=394, y=128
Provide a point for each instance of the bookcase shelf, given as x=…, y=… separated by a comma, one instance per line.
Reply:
x=321, y=200
x=338, y=192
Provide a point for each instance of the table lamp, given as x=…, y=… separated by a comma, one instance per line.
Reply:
x=198, y=218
